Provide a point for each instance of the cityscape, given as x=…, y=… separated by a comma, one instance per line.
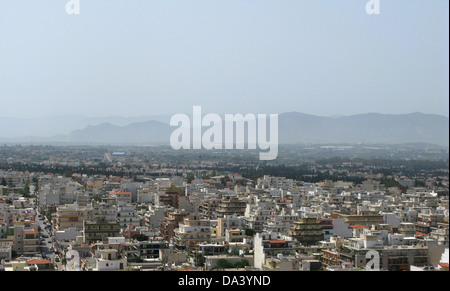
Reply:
x=154, y=208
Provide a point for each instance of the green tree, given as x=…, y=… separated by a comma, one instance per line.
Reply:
x=250, y=232
x=27, y=189
x=68, y=173
x=241, y=182
x=190, y=177
x=224, y=180
x=224, y=264
x=241, y=264
x=140, y=237
x=96, y=198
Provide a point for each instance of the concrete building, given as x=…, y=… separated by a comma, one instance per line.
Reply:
x=127, y=215
x=100, y=228
x=72, y=216
x=26, y=238
x=230, y=222
x=170, y=223
x=268, y=245
x=192, y=231
x=151, y=249
x=110, y=260
x=231, y=206
x=307, y=231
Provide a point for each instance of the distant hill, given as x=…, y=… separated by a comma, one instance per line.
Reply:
x=16, y=128
x=149, y=132
x=364, y=128
x=294, y=127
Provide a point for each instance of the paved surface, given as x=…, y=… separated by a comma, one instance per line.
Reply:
x=47, y=242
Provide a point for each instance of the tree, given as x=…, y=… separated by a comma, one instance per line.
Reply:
x=68, y=173
x=3, y=183
x=241, y=264
x=140, y=237
x=250, y=232
x=27, y=189
x=241, y=182
x=223, y=264
x=201, y=262
x=190, y=177
x=36, y=184
x=224, y=180
x=96, y=198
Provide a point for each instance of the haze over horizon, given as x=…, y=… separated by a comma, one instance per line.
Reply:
x=293, y=127
x=144, y=58
x=168, y=115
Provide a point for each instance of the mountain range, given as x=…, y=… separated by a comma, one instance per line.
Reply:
x=294, y=127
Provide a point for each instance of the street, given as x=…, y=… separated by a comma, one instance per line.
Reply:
x=47, y=241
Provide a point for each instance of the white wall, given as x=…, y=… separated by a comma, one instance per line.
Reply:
x=258, y=252
x=68, y=234
x=342, y=229
x=391, y=219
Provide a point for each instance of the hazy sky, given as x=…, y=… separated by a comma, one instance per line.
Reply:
x=146, y=57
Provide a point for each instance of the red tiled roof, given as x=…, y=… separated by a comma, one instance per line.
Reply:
x=25, y=221
x=38, y=262
x=30, y=231
x=157, y=238
x=443, y=265
x=121, y=193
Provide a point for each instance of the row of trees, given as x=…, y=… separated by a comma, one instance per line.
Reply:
x=225, y=264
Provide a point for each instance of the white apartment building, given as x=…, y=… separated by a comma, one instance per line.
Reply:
x=127, y=215
x=268, y=182
x=109, y=260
